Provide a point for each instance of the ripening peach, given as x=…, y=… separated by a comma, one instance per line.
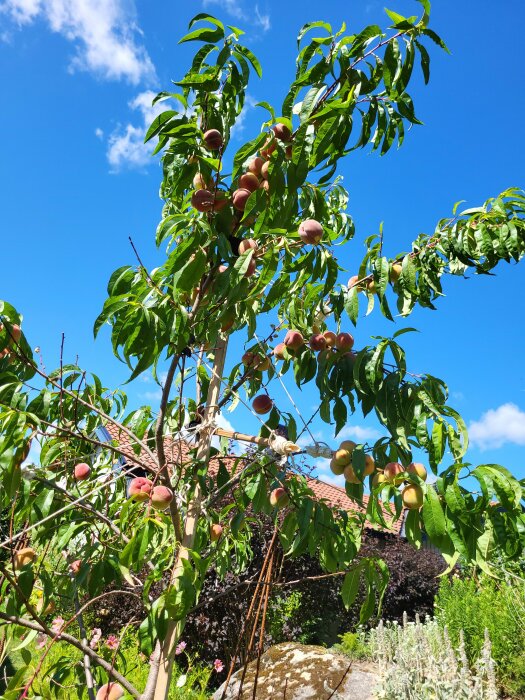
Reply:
x=255, y=165
x=228, y=319
x=330, y=338
x=417, y=468
x=212, y=139
x=350, y=475
x=215, y=532
x=344, y=341
x=349, y=445
x=24, y=556
x=395, y=272
x=279, y=498
x=391, y=472
x=202, y=200
x=264, y=363
x=199, y=183
x=269, y=147
x=310, y=231
x=250, y=359
x=249, y=181
x=282, y=132
x=246, y=245
x=412, y=496
x=221, y=200
x=293, y=340
x=140, y=488
x=262, y=404
x=239, y=198
x=336, y=468
x=264, y=170
x=250, y=270
x=342, y=457
x=75, y=566
x=265, y=185
x=371, y=286
x=110, y=691
x=352, y=281
x=379, y=478
x=81, y=471
x=370, y=465
x=317, y=342
x=278, y=351
x=161, y=497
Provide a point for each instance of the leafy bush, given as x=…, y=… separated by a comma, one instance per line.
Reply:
x=464, y=604
x=418, y=662
x=286, y=619
x=354, y=645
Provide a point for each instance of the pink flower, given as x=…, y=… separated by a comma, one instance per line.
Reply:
x=41, y=641
x=97, y=634
x=57, y=625
x=218, y=665
x=180, y=648
x=112, y=642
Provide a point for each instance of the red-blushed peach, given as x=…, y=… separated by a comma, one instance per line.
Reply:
x=265, y=185
x=215, y=532
x=269, y=147
x=161, y=497
x=310, y=231
x=81, y=471
x=249, y=181
x=288, y=152
x=212, y=139
x=250, y=270
x=221, y=200
x=75, y=566
x=239, y=198
x=353, y=281
x=344, y=341
x=140, y=488
x=279, y=498
x=246, y=245
x=391, y=472
x=110, y=691
x=419, y=469
x=262, y=404
x=317, y=342
x=278, y=351
x=336, y=468
x=24, y=556
x=255, y=165
x=330, y=338
x=412, y=496
x=250, y=359
x=264, y=170
x=395, y=272
x=294, y=340
x=202, y=200
x=342, y=457
x=282, y=132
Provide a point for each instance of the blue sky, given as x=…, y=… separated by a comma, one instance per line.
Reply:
x=77, y=81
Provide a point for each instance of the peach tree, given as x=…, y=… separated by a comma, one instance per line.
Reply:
x=250, y=239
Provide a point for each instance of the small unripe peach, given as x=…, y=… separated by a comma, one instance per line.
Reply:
x=161, y=497
x=212, y=139
x=246, y=245
x=240, y=197
x=255, y=165
x=344, y=341
x=395, y=272
x=215, y=532
x=391, y=472
x=342, y=457
x=336, y=468
x=249, y=181
x=371, y=286
x=317, y=342
x=24, y=556
x=282, y=132
x=419, y=469
x=310, y=231
x=81, y=471
x=293, y=340
x=110, y=691
x=330, y=338
x=262, y=404
x=278, y=351
x=412, y=496
x=140, y=488
x=279, y=498
x=202, y=200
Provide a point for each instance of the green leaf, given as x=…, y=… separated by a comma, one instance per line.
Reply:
x=350, y=587
x=433, y=516
x=158, y=123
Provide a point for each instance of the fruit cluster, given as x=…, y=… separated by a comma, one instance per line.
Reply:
x=294, y=341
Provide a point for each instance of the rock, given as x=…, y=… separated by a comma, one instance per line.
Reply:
x=306, y=672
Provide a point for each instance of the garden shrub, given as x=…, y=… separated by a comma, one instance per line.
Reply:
x=471, y=606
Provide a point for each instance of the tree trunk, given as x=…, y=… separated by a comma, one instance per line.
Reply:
x=175, y=627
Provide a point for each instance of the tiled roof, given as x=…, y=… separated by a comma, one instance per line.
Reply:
x=178, y=452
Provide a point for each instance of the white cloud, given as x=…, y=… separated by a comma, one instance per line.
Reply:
x=99, y=133
x=126, y=147
x=238, y=128
x=105, y=32
x=237, y=9
x=498, y=426
x=358, y=432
